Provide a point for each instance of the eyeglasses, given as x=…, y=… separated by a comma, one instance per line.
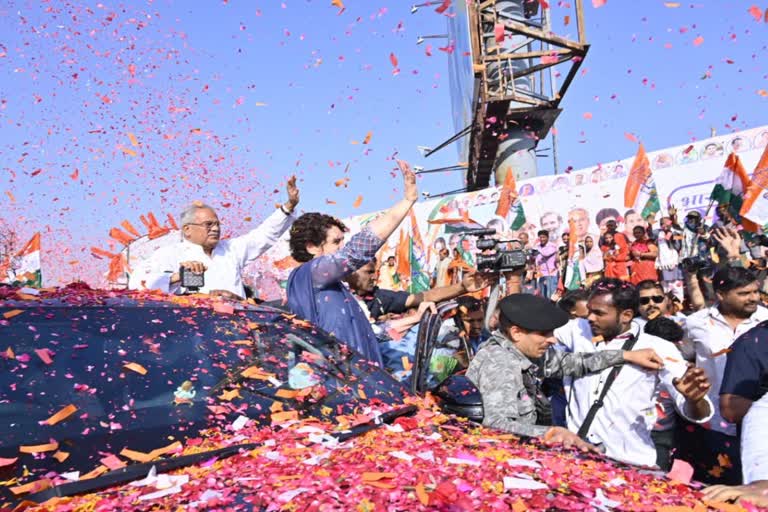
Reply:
x=208, y=225
x=657, y=299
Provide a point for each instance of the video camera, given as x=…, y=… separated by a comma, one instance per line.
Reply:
x=697, y=263
x=760, y=240
x=490, y=258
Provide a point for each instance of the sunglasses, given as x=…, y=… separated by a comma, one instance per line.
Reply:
x=657, y=299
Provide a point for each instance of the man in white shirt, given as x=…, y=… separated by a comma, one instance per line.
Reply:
x=622, y=425
x=754, y=453
x=744, y=399
x=712, y=331
x=202, y=251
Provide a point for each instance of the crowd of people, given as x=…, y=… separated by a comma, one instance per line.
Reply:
x=658, y=354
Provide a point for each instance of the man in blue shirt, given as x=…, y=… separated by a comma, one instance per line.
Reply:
x=315, y=289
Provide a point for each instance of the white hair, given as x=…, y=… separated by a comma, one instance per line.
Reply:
x=188, y=214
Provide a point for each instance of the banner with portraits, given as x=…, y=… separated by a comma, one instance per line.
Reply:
x=684, y=177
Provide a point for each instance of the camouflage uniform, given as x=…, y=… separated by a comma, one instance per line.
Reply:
x=507, y=381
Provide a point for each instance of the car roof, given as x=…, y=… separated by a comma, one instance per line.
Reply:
x=84, y=296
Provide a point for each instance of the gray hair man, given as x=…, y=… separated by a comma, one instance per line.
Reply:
x=201, y=250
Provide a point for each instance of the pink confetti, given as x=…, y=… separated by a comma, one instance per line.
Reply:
x=681, y=472
x=112, y=462
x=498, y=32
x=44, y=354
x=757, y=13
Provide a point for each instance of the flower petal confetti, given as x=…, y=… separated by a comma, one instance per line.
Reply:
x=62, y=415
x=135, y=367
x=503, y=474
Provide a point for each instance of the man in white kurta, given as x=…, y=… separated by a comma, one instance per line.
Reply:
x=201, y=250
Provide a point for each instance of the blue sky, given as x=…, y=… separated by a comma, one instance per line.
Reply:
x=225, y=99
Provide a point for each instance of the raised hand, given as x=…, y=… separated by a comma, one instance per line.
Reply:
x=411, y=191
x=293, y=194
x=729, y=240
x=694, y=384
x=672, y=211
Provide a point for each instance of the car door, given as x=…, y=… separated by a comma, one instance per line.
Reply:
x=456, y=394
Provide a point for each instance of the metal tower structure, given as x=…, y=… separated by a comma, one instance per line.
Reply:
x=515, y=98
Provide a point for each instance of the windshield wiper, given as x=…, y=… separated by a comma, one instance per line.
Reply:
x=134, y=472
x=137, y=471
x=387, y=417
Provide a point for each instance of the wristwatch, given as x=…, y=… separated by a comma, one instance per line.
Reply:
x=285, y=211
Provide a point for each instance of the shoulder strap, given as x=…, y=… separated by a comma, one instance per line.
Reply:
x=598, y=404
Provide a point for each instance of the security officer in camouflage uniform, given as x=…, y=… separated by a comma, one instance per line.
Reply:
x=509, y=368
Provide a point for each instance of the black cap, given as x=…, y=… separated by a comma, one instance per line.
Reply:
x=693, y=213
x=532, y=313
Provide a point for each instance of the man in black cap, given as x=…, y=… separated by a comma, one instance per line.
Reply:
x=509, y=367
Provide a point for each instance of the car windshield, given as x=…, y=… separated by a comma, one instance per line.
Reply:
x=78, y=384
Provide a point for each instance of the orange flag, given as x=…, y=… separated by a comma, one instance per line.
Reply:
x=404, y=257
x=755, y=206
x=505, y=198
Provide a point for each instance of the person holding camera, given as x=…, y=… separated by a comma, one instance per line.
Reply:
x=216, y=265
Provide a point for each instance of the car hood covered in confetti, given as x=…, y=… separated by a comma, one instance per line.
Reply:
x=115, y=401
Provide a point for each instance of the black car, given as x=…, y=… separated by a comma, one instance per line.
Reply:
x=86, y=376
x=116, y=401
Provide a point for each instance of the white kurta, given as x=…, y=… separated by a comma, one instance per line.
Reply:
x=224, y=265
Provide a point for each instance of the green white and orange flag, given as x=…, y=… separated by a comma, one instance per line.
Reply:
x=573, y=275
x=24, y=269
x=755, y=205
x=730, y=188
x=411, y=261
x=640, y=191
x=419, y=274
x=510, y=202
